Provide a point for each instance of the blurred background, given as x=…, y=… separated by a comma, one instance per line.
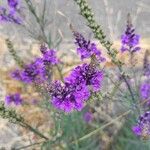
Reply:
x=110, y=14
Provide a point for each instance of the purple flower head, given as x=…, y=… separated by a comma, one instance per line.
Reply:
x=88, y=75
x=76, y=89
x=43, y=49
x=13, y=18
x=16, y=74
x=129, y=39
x=9, y=16
x=143, y=126
x=13, y=3
x=3, y=16
x=68, y=97
x=13, y=98
x=33, y=72
x=49, y=57
x=145, y=92
x=86, y=49
x=88, y=117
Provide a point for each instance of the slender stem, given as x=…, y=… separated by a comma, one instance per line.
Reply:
x=27, y=146
x=41, y=25
x=129, y=87
x=25, y=125
x=59, y=70
x=101, y=128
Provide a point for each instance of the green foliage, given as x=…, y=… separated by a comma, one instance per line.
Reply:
x=126, y=140
x=10, y=114
x=68, y=128
x=14, y=53
x=87, y=13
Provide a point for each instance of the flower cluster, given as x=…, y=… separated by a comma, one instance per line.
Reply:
x=145, y=92
x=143, y=127
x=86, y=49
x=130, y=40
x=13, y=98
x=36, y=71
x=13, y=4
x=10, y=15
x=76, y=89
x=87, y=74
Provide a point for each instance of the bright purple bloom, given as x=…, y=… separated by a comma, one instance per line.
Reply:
x=88, y=117
x=13, y=98
x=68, y=97
x=49, y=56
x=130, y=40
x=145, y=92
x=86, y=49
x=10, y=15
x=37, y=70
x=76, y=89
x=13, y=3
x=143, y=126
x=33, y=72
x=88, y=75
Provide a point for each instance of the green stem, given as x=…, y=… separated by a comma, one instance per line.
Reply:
x=24, y=147
x=25, y=125
x=87, y=13
x=101, y=128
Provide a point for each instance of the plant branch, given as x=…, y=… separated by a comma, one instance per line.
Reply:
x=102, y=127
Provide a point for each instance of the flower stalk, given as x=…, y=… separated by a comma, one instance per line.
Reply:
x=87, y=13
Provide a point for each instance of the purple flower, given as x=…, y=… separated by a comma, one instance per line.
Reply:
x=68, y=97
x=145, y=92
x=86, y=49
x=10, y=15
x=88, y=117
x=13, y=98
x=33, y=72
x=43, y=49
x=37, y=71
x=13, y=3
x=16, y=74
x=88, y=75
x=76, y=89
x=143, y=126
x=49, y=57
x=130, y=40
